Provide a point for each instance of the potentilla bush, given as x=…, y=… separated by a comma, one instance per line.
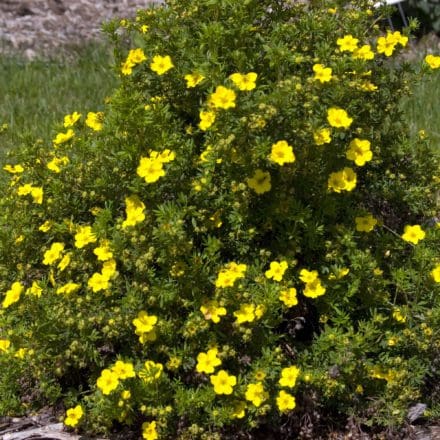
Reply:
x=243, y=236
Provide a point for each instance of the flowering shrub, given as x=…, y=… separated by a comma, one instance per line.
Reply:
x=243, y=236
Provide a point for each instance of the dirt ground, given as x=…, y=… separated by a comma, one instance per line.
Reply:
x=33, y=27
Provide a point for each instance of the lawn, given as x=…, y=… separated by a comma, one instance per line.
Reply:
x=37, y=94
x=423, y=108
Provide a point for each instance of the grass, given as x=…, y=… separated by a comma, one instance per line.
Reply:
x=34, y=95
x=423, y=108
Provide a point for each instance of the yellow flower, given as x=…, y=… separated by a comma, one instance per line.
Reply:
x=103, y=252
x=392, y=341
x=364, y=53
x=144, y=28
x=347, y=43
x=206, y=362
x=126, y=394
x=151, y=371
x=4, y=345
x=163, y=157
x=260, y=182
x=285, y=401
x=53, y=253
x=84, y=236
x=65, y=261
x=35, y=191
x=24, y=190
x=61, y=138
x=413, y=234
x=368, y=86
x=109, y=269
x=54, y=164
x=212, y=311
x=239, y=410
x=161, y=65
x=276, y=270
x=107, y=382
x=398, y=315
x=435, y=273
x=289, y=376
x=37, y=194
x=377, y=272
x=123, y=370
x=244, y=82
x=337, y=117
x=149, y=431
x=307, y=276
x=70, y=120
x=228, y=275
x=282, y=153
x=223, y=382
x=95, y=120
x=135, y=211
x=150, y=169
x=322, y=73
x=398, y=38
x=98, y=282
x=146, y=337
x=314, y=289
x=73, y=416
x=68, y=288
x=35, y=289
x=246, y=313
x=14, y=169
x=136, y=56
x=339, y=273
x=359, y=151
x=322, y=136
x=365, y=224
x=144, y=322
x=386, y=45
x=433, y=61
x=207, y=118
x=288, y=297
x=46, y=226
x=127, y=67
x=344, y=180
x=193, y=79
x=222, y=98
x=256, y=394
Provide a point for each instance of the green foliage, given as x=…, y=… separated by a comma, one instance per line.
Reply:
x=213, y=245
x=428, y=12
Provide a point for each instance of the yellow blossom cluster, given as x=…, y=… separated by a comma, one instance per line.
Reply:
x=344, y=180
x=388, y=43
x=313, y=287
x=36, y=192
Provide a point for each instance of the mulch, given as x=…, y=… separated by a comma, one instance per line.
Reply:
x=44, y=27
